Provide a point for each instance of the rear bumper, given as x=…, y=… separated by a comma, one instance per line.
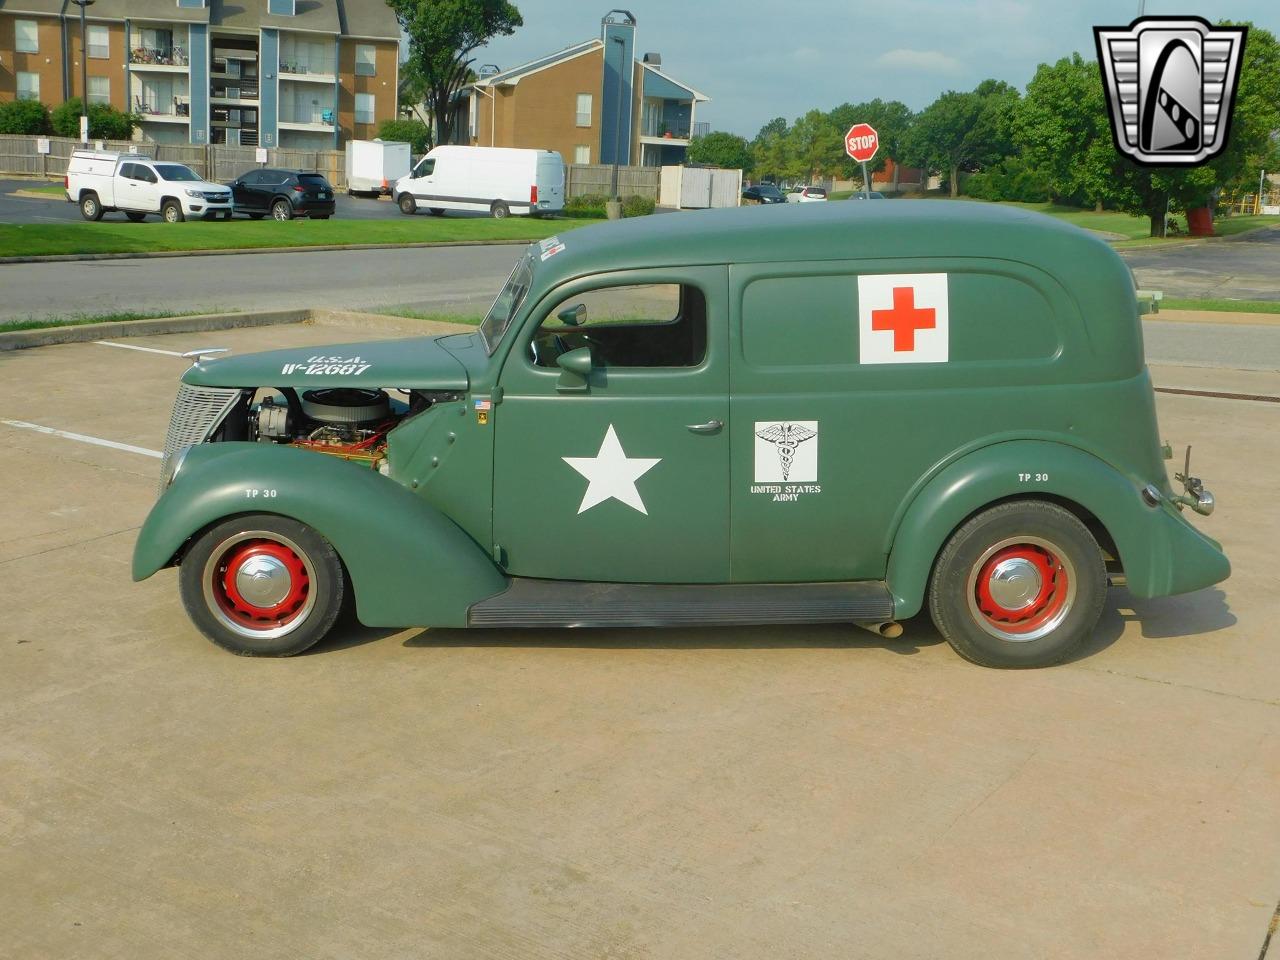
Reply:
x=313, y=208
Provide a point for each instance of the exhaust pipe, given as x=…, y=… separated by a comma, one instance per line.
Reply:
x=888, y=629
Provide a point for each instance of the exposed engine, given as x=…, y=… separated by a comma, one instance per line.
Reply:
x=347, y=422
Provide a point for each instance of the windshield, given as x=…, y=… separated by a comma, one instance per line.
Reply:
x=769, y=191
x=494, y=326
x=176, y=171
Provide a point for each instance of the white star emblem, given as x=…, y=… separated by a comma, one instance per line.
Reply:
x=611, y=475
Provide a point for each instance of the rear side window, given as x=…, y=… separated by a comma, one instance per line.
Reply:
x=812, y=321
x=312, y=180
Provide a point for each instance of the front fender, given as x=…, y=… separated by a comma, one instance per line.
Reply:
x=409, y=564
x=1160, y=551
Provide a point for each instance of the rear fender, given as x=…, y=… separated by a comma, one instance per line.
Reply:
x=1160, y=551
x=409, y=564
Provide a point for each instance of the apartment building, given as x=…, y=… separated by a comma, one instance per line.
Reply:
x=305, y=74
x=590, y=101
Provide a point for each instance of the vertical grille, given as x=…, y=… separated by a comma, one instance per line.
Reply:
x=197, y=411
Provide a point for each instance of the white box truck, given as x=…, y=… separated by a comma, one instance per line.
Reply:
x=499, y=181
x=373, y=166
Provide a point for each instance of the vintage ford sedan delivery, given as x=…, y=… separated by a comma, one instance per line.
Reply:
x=836, y=412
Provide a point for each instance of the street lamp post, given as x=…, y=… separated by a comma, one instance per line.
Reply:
x=84, y=71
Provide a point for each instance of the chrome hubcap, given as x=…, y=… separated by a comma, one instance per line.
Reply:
x=263, y=581
x=1015, y=583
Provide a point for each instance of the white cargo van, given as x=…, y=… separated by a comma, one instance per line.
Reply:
x=373, y=166
x=496, y=180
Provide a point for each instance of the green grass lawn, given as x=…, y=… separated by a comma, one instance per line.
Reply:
x=1225, y=306
x=78, y=238
x=48, y=190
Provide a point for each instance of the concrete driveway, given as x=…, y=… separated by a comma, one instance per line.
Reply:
x=794, y=792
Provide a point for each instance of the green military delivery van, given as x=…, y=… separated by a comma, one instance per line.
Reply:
x=835, y=412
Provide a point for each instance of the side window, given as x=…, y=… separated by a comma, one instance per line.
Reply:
x=145, y=173
x=252, y=179
x=126, y=171
x=427, y=167
x=642, y=325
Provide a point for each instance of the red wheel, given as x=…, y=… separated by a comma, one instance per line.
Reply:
x=1020, y=584
x=263, y=585
x=1021, y=590
x=259, y=586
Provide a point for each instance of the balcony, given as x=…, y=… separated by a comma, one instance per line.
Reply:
x=308, y=70
x=157, y=60
x=235, y=96
x=316, y=119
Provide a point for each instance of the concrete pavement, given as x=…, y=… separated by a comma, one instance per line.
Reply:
x=796, y=792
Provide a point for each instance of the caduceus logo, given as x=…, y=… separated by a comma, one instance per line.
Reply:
x=786, y=437
x=1171, y=85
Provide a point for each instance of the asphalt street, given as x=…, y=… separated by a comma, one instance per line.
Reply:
x=444, y=278
x=15, y=209
x=1247, y=268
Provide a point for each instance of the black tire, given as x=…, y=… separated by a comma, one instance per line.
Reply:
x=408, y=205
x=314, y=580
x=1045, y=566
x=499, y=210
x=135, y=215
x=90, y=206
x=256, y=216
x=171, y=212
x=281, y=210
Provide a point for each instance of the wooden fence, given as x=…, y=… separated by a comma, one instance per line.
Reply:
x=49, y=156
x=582, y=179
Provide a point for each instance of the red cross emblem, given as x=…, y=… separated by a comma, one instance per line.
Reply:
x=904, y=319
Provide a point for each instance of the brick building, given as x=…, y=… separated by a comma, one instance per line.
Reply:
x=571, y=102
x=275, y=73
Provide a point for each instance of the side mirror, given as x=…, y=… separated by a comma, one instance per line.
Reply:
x=572, y=316
x=575, y=369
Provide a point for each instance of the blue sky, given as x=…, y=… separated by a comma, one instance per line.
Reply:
x=819, y=53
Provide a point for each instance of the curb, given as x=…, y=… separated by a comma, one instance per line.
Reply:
x=123, y=329
x=82, y=333
x=159, y=254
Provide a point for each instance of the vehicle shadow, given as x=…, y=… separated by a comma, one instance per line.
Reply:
x=1202, y=612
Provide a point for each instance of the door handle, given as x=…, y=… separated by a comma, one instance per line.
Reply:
x=711, y=426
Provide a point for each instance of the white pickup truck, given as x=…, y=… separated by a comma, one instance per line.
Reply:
x=137, y=185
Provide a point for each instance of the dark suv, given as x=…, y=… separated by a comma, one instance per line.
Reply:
x=284, y=194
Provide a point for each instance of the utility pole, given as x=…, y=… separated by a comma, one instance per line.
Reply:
x=84, y=70
x=614, y=209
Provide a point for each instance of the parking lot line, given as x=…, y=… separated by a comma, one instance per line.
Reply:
x=130, y=346
x=98, y=441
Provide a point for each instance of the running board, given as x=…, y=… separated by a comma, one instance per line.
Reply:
x=574, y=603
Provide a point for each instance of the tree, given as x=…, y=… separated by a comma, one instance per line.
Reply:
x=814, y=147
x=413, y=132
x=1058, y=125
x=105, y=122
x=963, y=131
x=769, y=149
x=720, y=149
x=1151, y=191
x=24, y=116
x=443, y=35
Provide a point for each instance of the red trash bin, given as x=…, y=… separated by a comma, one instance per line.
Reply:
x=1200, y=222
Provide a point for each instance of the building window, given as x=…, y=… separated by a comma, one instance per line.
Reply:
x=99, y=42
x=100, y=90
x=364, y=108
x=26, y=36
x=28, y=86
x=582, y=153
x=365, y=65
x=584, y=109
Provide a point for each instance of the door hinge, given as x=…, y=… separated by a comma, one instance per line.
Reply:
x=499, y=555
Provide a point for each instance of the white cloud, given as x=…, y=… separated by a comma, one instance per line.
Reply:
x=929, y=61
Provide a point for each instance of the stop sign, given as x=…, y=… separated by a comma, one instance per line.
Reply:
x=861, y=142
